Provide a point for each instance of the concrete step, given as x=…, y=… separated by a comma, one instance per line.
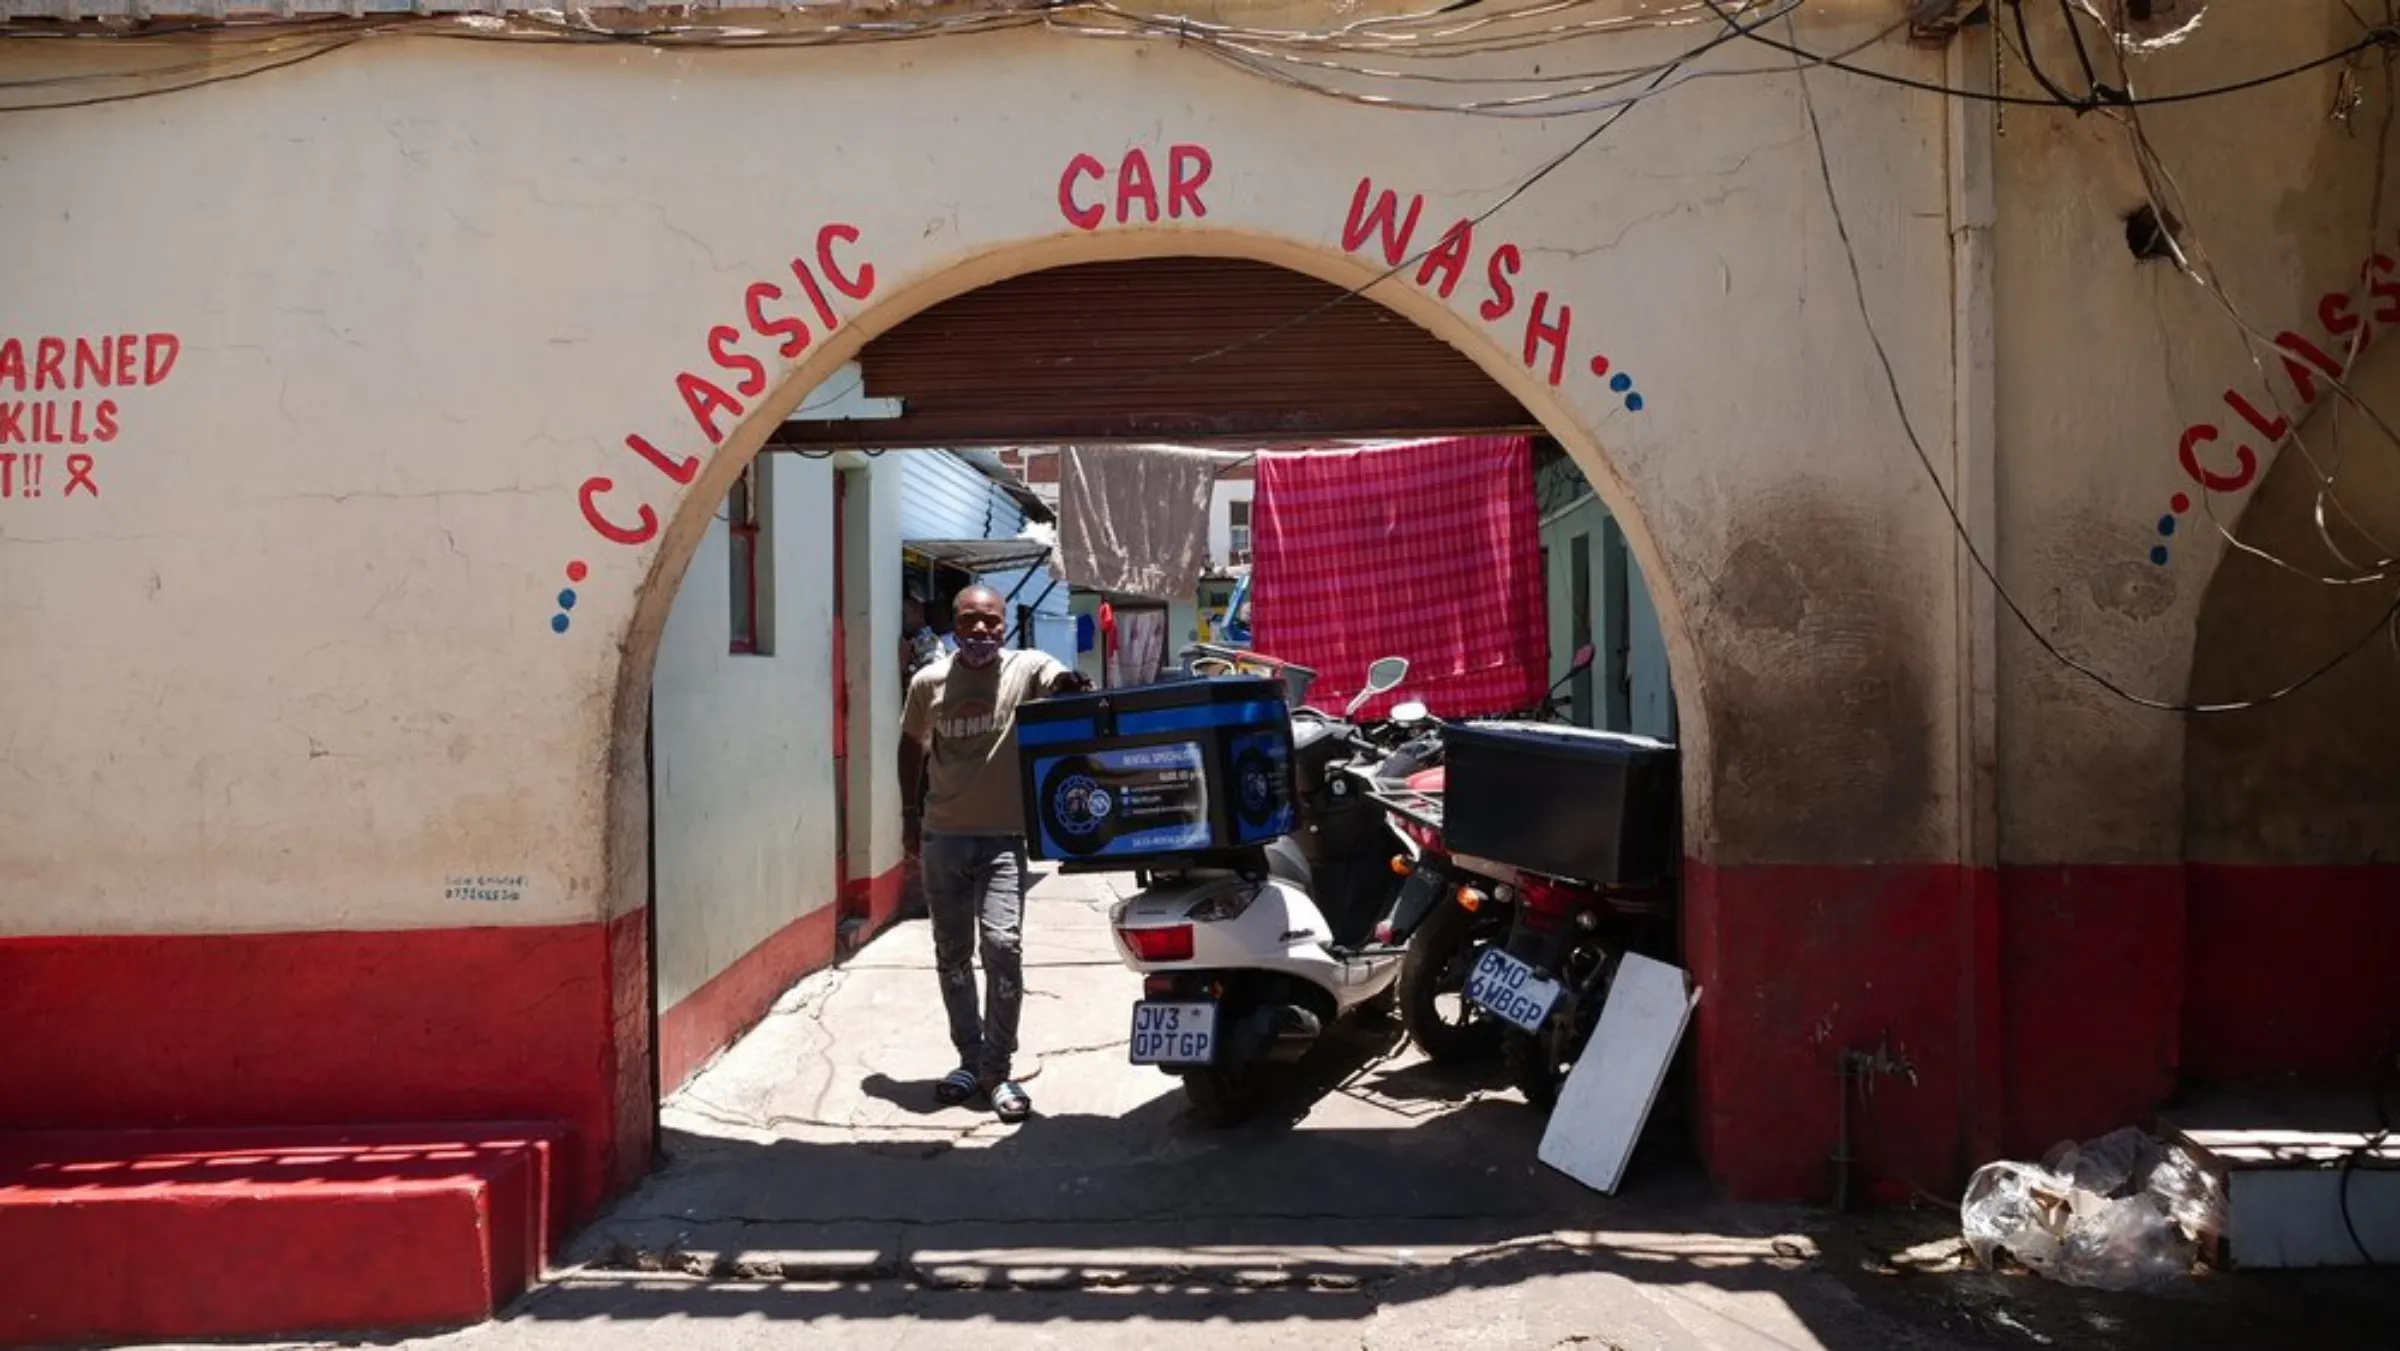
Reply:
x=119, y=1236
x=2288, y=1159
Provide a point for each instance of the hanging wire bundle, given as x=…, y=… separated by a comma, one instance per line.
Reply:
x=1426, y=61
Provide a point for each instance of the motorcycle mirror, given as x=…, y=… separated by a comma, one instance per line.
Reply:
x=1411, y=713
x=1382, y=678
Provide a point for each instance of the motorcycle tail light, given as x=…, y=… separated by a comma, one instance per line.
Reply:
x=1223, y=906
x=1550, y=898
x=1170, y=944
x=1159, y=987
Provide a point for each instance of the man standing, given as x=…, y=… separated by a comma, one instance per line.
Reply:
x=960, y=728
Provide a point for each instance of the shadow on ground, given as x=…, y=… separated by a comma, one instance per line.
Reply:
x=810, y=1179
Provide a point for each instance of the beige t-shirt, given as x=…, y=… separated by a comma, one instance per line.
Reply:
x=968, y=718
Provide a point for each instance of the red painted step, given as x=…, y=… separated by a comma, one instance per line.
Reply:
x=114, y=1236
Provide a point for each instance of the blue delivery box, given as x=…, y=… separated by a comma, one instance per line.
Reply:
x=1182, y=768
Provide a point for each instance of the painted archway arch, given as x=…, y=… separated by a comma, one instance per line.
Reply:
x=362, y=493
x=679, y=528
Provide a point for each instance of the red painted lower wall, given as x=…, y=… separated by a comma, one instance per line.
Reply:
x=2291, y=973
x=2093, y=968
x=545, y=1023
x=885, y=894
x=2036, y=1004
x=1797, y=963
x=548, y=1023
x=714, y=1016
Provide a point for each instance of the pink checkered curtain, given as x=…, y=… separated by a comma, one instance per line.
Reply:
x=1429, y=550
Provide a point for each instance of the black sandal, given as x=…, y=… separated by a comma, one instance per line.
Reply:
x=957, y=1086
x=1010, y=1102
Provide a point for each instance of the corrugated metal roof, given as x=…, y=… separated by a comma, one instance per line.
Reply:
x=982, y=555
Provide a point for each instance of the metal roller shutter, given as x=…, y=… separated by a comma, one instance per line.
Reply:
x=1164, y=348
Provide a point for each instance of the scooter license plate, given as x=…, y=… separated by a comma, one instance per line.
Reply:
x=1511, y=990
x=1171, y=1033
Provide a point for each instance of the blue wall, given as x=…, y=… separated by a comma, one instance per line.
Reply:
x=944, y=497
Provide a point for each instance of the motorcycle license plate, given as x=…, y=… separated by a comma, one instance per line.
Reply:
x=1171, y=1033
x=1511, y=990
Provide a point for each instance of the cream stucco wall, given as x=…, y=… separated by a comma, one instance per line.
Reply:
x=743, y=788
x=296, y=667
x=2104, y=363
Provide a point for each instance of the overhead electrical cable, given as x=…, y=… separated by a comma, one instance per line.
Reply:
x=1958, y=524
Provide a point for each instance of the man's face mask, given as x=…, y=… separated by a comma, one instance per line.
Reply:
x=979, y=632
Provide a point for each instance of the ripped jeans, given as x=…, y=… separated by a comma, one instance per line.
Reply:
x=975, y=888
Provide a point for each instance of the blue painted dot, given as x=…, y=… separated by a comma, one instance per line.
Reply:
x=566, y=599
x=558, y=623
x=1620, y=382
x=2159, y=555
x=1633, y=402
x=2166, y=525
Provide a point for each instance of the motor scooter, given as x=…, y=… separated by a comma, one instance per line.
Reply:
x=1247, y=956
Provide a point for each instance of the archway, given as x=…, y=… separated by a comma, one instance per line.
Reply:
x=1506, y=390
x=2290, y=806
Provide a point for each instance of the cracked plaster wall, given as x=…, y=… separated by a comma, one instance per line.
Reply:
x=746, y=813
x=2104, y=361
x=297, y=668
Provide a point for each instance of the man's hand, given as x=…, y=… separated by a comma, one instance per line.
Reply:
x=1070, y=682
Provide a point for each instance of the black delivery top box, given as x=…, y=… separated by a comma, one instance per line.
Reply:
x=1597, y=807
x=1180, y=768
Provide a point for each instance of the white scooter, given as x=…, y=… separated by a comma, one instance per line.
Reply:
x=1248, y=957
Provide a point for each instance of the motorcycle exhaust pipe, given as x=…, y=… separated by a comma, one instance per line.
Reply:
x=1276, y=1034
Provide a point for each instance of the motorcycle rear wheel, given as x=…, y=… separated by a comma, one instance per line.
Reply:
x=1224, y=1098
x=1436, y=964
x=1528, y=1062
x=1538, y=1063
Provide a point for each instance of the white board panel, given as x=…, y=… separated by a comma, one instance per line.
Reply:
x=1608, y=1094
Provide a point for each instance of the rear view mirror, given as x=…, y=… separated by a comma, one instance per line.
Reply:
x=1382, y=678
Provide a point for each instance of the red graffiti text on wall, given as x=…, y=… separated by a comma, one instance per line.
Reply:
x=2348, y=321
x=1137, y=188
x=50, y=395
x=1379, y=228
x=773, y=319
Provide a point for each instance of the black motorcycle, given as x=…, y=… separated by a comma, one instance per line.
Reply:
x=1451, y=908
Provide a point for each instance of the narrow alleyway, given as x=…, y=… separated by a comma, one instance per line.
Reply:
x=813, y=1153
x=814, y=1147
x=816, y=1195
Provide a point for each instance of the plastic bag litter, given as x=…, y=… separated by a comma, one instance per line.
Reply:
x=2121, y=1212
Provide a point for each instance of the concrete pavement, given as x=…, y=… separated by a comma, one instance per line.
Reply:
x=815, y=1193
x=813, y=1179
